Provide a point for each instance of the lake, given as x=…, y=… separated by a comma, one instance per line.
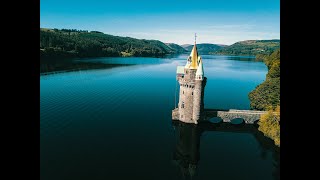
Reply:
x=110, y=118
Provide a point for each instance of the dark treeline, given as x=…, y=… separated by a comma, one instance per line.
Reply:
x=267, y=95
x=81, y=43
x=57, y=65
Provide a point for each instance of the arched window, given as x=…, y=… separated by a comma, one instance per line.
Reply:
x=192, y=93
x=182, y=105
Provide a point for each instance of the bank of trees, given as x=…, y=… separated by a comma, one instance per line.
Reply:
x=266, y=96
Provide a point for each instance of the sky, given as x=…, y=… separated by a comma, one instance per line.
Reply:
x=170, y=21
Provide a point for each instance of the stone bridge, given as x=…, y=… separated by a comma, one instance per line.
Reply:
x=248, y=116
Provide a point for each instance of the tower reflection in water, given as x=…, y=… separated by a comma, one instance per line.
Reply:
x=186, y=153
x=187, y=144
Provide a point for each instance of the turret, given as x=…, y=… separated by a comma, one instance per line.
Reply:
x=199, y=73
x=197, y=95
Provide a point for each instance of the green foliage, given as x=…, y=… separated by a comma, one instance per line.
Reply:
x=78, y=43
x=251, y=48
x=274, y=57
x=269, y=124
x=274, y=71
x=267, y=94
x=261, y=57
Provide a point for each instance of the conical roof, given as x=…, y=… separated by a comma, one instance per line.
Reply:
x=200, y=68
x=194, y=57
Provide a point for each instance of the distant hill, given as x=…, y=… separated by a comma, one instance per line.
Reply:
x=79, y=43
x=223, y=45
x=205, y=48
x=176, y=48
x=185, y=45
x=250, y=47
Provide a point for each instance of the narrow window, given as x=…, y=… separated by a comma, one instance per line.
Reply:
x=182, y=105
x=182, y=92
x=192, y=93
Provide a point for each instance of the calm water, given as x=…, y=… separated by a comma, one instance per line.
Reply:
x=110, y=118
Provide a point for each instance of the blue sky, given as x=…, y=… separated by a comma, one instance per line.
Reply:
x=175, y=21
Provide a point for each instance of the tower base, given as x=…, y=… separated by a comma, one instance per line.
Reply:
x=176, y=116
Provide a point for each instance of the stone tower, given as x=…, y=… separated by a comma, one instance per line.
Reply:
x=192, y=83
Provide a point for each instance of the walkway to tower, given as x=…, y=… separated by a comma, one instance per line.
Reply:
x=248, y=116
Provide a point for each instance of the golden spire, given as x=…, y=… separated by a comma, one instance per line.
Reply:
x=194, y=55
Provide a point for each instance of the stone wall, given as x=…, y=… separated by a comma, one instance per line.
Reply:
x=187, y=85
x=175, y=114
x=197, y=101
x=248, y=116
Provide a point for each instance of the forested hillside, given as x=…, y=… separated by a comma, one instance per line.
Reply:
x=250, y=47
x=78, y=43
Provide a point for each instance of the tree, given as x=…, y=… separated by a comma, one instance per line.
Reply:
x=269, y=124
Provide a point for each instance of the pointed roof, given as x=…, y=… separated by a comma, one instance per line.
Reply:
x=200, y=69
x=194, y=57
